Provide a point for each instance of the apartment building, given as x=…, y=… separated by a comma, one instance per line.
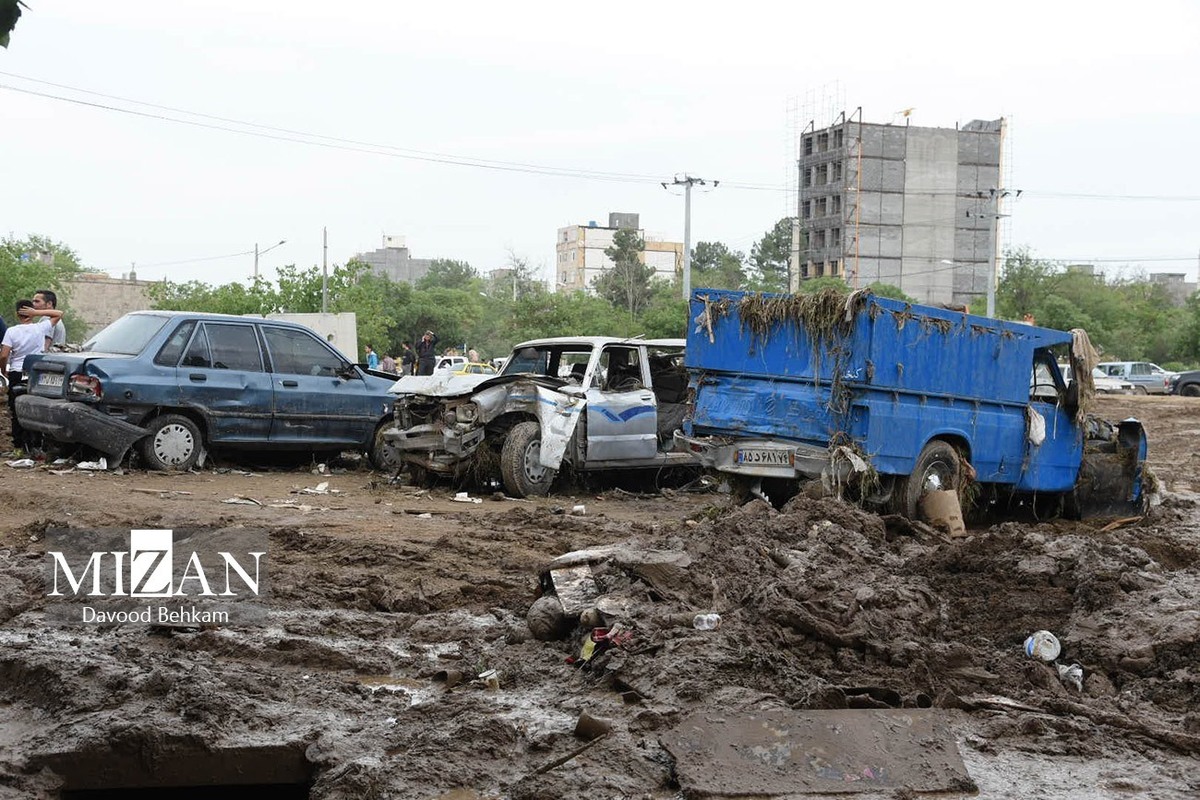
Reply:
x=910, y=206
x=580, y=257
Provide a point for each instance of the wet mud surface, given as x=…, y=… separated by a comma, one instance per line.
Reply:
x=388, y=602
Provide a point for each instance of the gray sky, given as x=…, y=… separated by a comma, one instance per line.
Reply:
x=1102, y=103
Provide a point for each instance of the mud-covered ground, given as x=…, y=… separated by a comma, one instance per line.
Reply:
x=387, y=602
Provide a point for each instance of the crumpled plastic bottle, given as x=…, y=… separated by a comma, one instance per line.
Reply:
x=706, y=622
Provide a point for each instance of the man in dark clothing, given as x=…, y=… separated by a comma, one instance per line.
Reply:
x=427, y=353
x=408, y=360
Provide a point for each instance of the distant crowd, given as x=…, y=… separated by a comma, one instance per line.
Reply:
x=419, y=360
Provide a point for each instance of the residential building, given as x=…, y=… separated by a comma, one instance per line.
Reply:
x=580, y=256
x=909, y=206
x=393, y=261
x=1178, y=287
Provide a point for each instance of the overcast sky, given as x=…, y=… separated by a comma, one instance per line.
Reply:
x=1103, y=101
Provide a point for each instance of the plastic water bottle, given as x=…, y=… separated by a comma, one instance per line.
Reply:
x=706, y=622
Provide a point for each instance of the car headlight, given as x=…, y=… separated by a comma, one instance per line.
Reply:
x=467, y=412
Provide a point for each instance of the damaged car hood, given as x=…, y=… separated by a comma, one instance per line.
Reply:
x=455, y=385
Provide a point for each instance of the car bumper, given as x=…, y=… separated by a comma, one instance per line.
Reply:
x=776, y=459
x=67, y=421
x=437, y=448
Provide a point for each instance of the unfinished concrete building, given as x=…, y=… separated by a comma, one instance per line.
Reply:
x=909, y=206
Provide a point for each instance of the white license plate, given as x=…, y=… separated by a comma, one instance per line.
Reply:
x=50, y=380
x=767, y=456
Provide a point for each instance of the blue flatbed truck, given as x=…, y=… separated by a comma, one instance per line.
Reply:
x=890, y=400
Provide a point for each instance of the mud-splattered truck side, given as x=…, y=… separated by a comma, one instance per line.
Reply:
x=890, y=400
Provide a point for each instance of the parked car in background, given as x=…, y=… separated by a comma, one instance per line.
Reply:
x=1146, y=377
x=1102, y=381
x=450, y=363
x=475, y=368
x=172, y=383
x=1186, y=383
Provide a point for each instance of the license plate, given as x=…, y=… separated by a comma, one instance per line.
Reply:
x=767, y=456
x=50, y=380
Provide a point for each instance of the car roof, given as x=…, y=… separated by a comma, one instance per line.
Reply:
x=600, y=341
x=203, y=315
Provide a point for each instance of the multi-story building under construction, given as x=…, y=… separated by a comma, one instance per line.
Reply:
x=904, y=205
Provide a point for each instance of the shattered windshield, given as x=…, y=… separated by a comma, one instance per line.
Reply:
x=127, y=336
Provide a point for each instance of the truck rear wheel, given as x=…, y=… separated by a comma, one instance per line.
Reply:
x=939, y=466
x=1191, y=390
x=520, y=466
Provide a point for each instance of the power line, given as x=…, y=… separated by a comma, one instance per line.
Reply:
x=195, y=260
x=331, y=142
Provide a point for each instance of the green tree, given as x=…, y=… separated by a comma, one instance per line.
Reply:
x=10, y=12
x=770, y=256
x=666, y=314
x=715, y=266
x=33, y=263
x=447, y=273
x=626, y=284
x=230, y=298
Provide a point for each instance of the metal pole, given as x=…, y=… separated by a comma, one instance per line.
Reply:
x=991, y=287
x=687, y=239
x=256, y=261
x=325, y=271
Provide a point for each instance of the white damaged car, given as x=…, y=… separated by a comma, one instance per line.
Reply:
x=585, y=402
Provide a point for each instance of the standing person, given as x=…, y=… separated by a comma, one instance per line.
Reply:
x=408, y=360
x=427, y=353
x=21, y=340
x=56, y=331
x=387, y=363
x=473, y=356
x=372, y=358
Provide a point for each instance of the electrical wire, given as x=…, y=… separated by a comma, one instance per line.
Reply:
x=194, y=260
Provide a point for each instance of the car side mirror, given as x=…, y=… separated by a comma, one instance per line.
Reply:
x=348, y=372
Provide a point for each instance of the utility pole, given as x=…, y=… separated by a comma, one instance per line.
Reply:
x=325, y=270
x=687, y=181
x=258, y=252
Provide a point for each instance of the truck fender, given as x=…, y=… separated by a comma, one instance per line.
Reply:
x=558, y=414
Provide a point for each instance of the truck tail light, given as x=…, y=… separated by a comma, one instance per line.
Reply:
x=85, y=387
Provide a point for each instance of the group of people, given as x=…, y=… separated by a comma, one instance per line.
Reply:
x=39, y=327
x=413, y=361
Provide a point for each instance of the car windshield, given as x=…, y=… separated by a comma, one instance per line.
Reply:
x=554, y=361
x=127, y=336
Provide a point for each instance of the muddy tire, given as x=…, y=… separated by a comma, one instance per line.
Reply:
x=523, y=476
x=1140, y=390
x=174, y=443
x=938, y=458
x=1191, y=390
x=384, y=457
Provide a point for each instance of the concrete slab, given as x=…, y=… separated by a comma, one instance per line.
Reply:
x=783, y=752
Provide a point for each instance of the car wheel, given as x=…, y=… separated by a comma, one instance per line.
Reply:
x=1140, y=390
x=174, y=443
x=1190, y=390
x=384, y=457
x=939, y=466
x=520, y=468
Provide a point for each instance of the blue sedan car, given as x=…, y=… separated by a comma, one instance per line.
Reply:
x=170, y=383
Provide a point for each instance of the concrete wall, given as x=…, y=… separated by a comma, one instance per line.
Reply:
x=340, y=330
x=100, y=300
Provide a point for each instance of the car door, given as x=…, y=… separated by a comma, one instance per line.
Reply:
x=320, y=398
x=1052, y=464
x=622, y=414
x=222, y=375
